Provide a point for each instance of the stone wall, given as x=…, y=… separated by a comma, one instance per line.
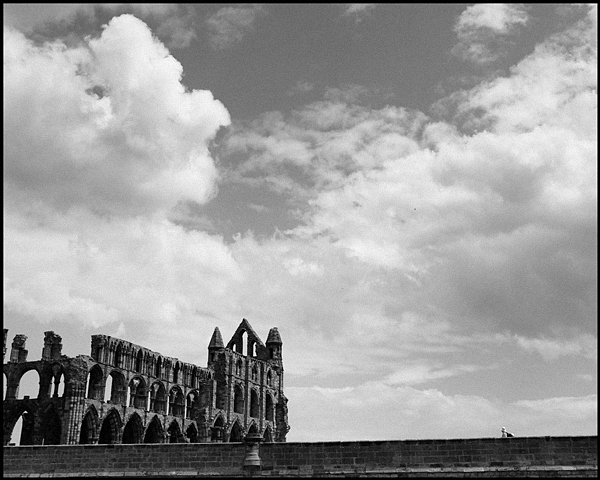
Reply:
x=487, y=457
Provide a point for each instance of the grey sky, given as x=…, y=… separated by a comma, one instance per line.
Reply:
x=408, y=192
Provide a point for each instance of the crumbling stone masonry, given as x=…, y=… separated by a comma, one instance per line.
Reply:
x=124, y=394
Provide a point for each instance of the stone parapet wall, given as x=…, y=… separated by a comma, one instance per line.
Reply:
x=487, y=457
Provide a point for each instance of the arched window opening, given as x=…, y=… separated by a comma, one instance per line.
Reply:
x=176, y=402
x=154, y=432
x=238, y=399
x=51, y=426
x=217, y=430
x=139, y=362
x=221, y=394
x=58, y=380
x=95, y=387
x=109, y=433
x=29, y=385
x=241, y=346
x=174, y=433
x=137, y=393
x=89, y=427
x=239, y=367
x=192, y=406
x=194, y=381
x=236, y=433
x=269, y=408
x=4, y=384
x=22, y=433
x=251, y=349
x=192, y=433
x=119, y=356
x=267, y=436
x=118, y=388
x=254, y=373
x=108, y=388
x=158, y=398
x=158, y=368
x=254, y=407
x=134, y=430
x=253, y=430
x=176, y=373
x=269, y=379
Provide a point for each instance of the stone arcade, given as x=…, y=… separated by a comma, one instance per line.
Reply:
x=124, y=394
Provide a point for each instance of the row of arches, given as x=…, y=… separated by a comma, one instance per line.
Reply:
x=32, y=383
x=254, y=372
x=239, y=402
x=112, y=430
x=129, y=357
x=23, y=428
x=136, y=394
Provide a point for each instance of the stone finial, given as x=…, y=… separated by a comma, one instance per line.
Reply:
x=216, y=340
x=52, y=346
x=274, y=336
x=18, y=353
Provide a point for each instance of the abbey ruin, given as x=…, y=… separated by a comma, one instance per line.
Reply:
x=127, y=394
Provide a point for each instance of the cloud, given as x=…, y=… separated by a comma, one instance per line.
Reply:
x=229, y=25
x=550, y=349
x=357, y=11
x=491, y=226
x=422, y=414
x=483, y=30
x=107, y=125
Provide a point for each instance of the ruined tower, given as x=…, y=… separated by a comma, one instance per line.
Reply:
x=125, y=393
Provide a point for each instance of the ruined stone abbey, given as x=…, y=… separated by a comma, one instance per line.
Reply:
x=123, y=393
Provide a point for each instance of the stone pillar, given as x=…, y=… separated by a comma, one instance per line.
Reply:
x=52, y=346
x=252, y=462
x=18, y=354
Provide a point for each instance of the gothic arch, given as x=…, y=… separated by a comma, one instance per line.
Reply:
x=118, y=393
x=253, y=428
x=51, y=426
x=27, y=384
x=236, y=432
x=154, y=431
x=174, y=433
x=176, y=402
x=268, y=435
x=254, y=405
x=95, y=387
x=25, y=430
x=158, y=368
x=192, y=433
x=269, y=407
x=89, y=426
x=137, y=393
x=158, y=398
x=192, y=404
x=111, y=427
x=238, y=399
x=139, y=361
x=134, y=429
x=118, y=362
x=218, y=429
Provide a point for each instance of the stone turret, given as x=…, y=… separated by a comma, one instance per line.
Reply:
x=52, y=346
x=215, y=345
x=18, y=354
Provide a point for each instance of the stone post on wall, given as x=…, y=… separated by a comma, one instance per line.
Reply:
x=252, y=463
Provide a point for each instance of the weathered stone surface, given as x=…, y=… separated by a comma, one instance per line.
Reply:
x=152, y=398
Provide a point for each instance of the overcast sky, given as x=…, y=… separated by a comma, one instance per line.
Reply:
x=408, y=192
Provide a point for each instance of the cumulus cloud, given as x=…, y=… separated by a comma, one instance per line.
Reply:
x=108, y=124
x=448, y=416
x=495, y=227
x=229, y=25
x=357, y=11
x=483, y=29
x=550, y=349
